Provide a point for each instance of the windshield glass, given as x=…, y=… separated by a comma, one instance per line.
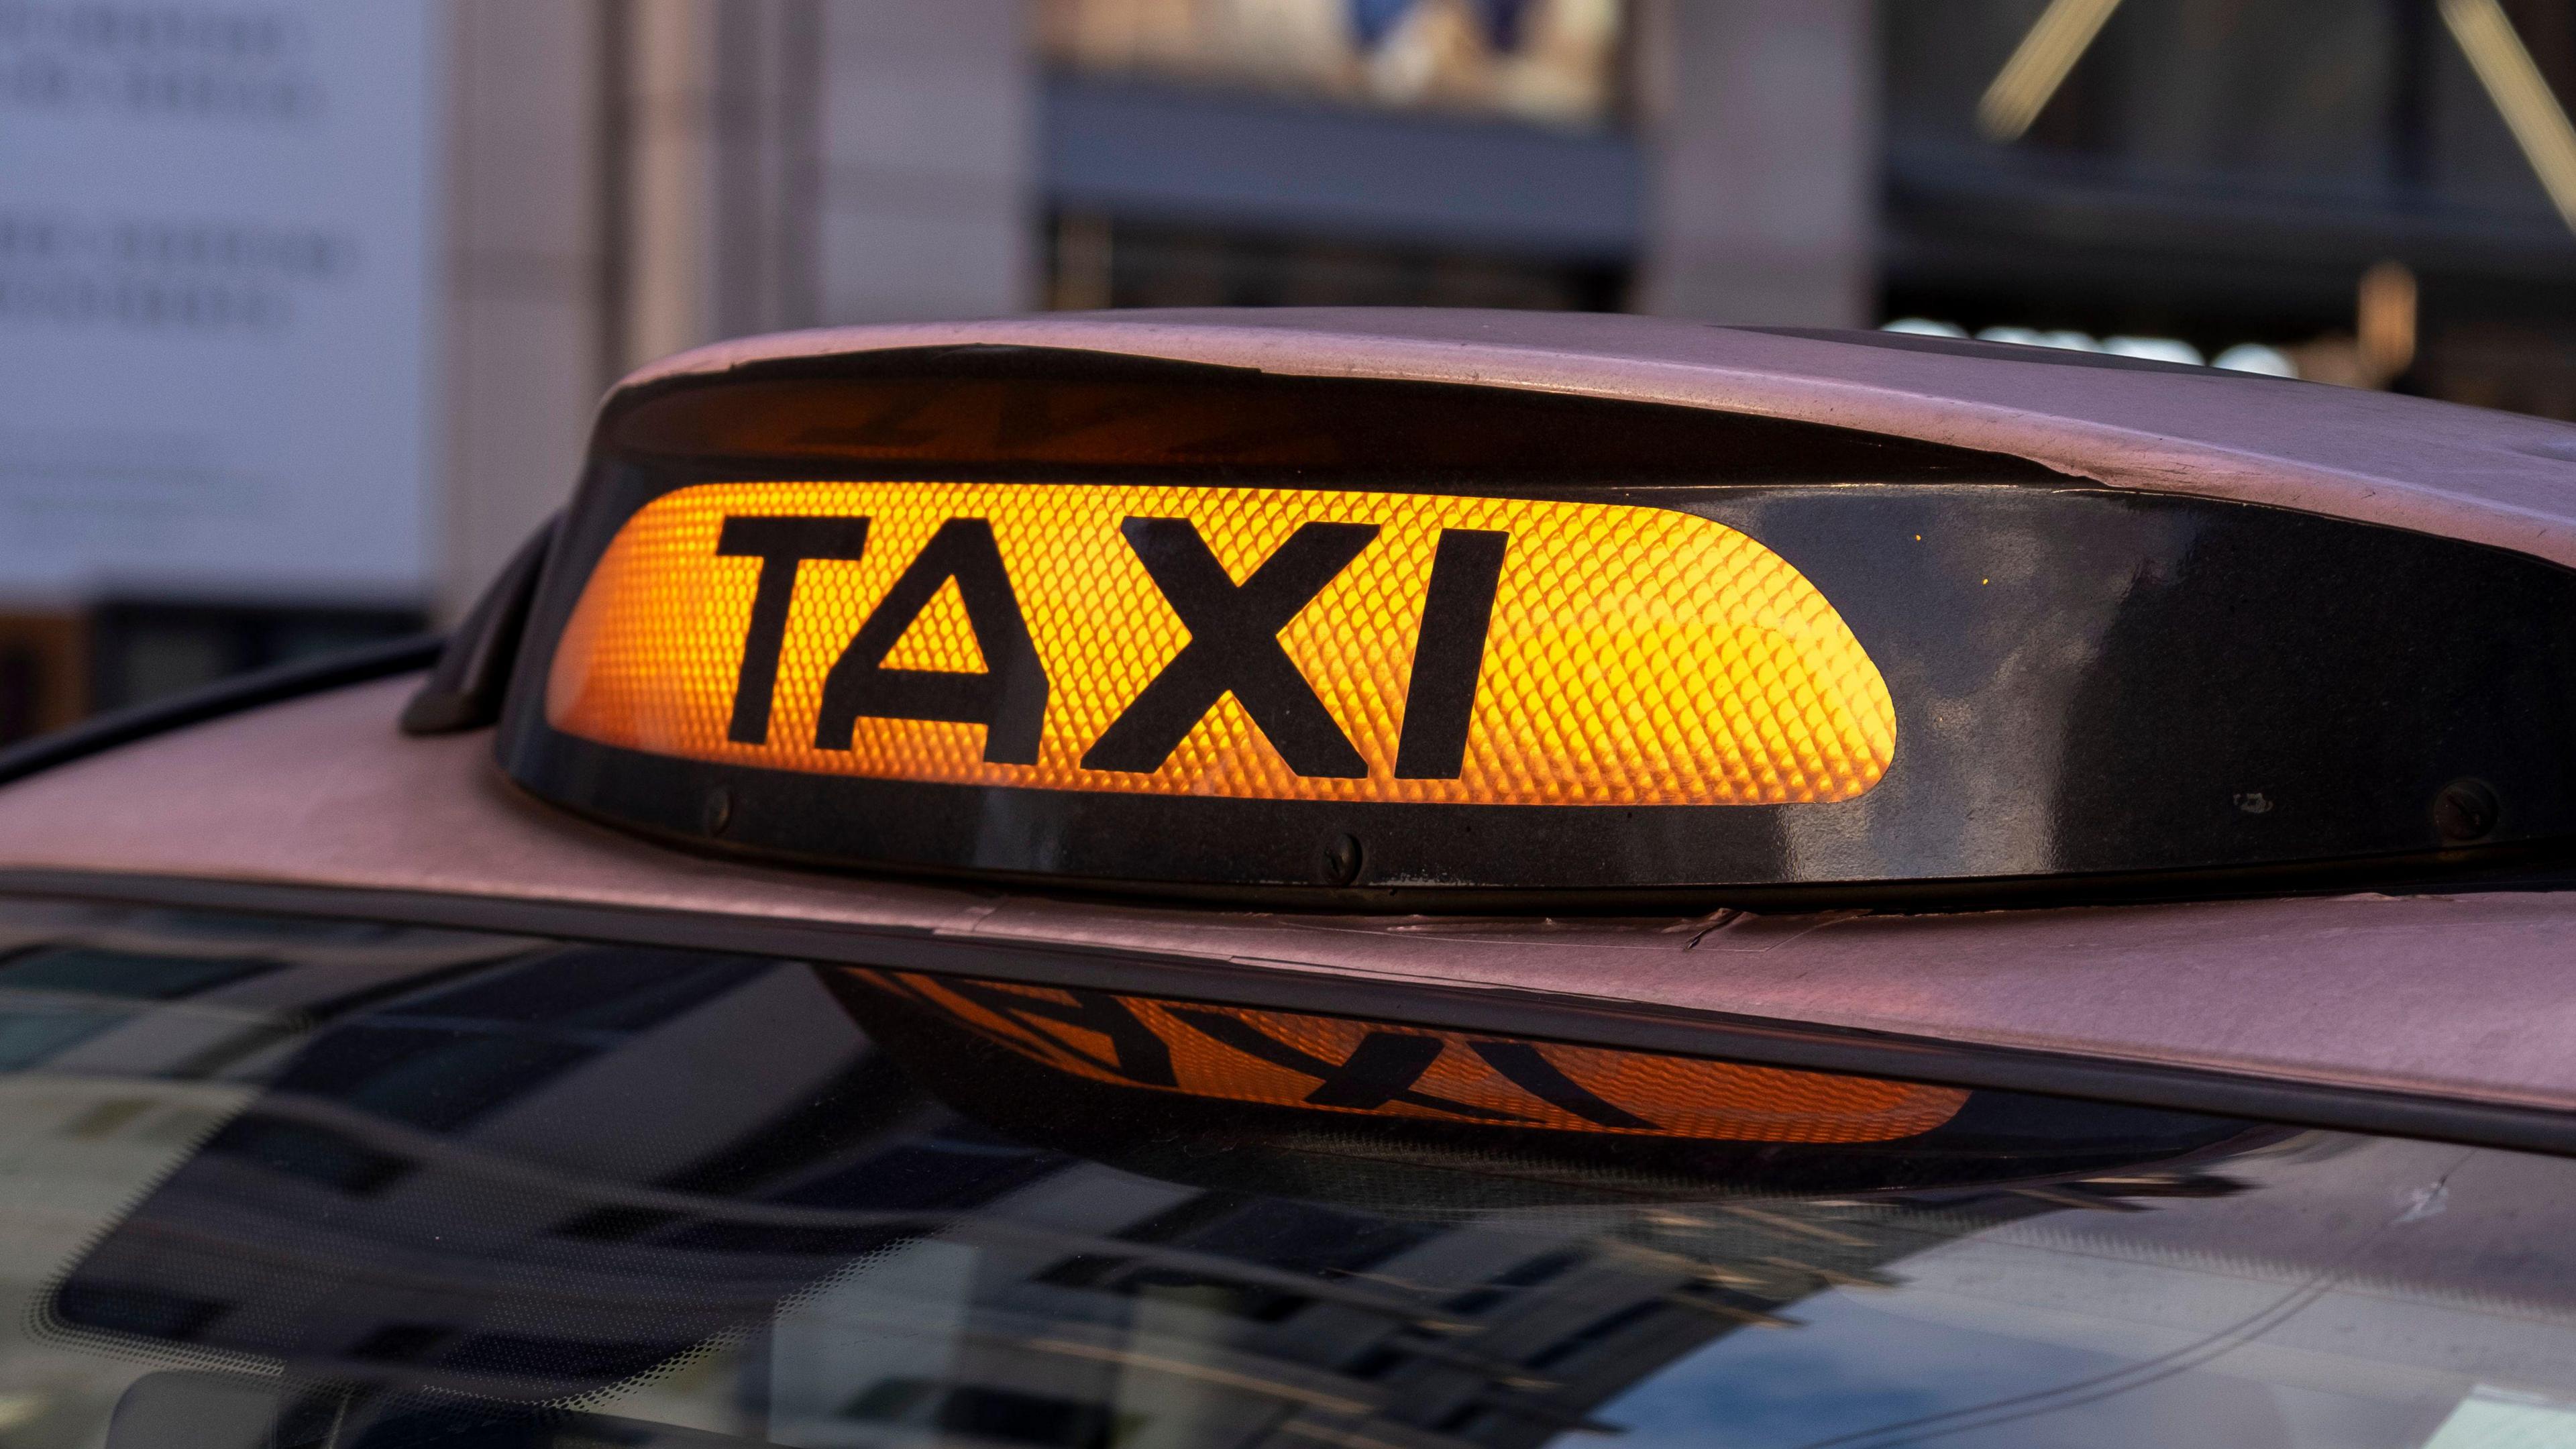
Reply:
x=278, y=1182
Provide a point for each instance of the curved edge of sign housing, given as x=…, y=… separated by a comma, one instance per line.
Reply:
x=1222, y=603
x=2374, y=457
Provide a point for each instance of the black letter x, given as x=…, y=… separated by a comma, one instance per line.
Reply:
x=1234, y=645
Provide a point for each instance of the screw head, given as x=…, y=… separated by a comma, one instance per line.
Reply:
x=2466, y=811
x=719, y=811
x=1340, y=864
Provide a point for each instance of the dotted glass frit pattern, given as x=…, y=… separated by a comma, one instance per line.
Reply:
x=1636, y=656
x=1676, y=1096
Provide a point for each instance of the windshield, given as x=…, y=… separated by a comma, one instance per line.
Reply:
x=279, y=1182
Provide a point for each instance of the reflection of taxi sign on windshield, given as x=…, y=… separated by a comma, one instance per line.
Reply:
x=1338, y=1064
x=1272, y=644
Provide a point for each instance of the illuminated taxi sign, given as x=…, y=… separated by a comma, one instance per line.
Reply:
x=1050, y=614
x=1252, y=643
x=1354, y=1066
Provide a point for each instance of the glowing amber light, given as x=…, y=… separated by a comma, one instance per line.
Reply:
x=1291, y=1059
x=1633, y=656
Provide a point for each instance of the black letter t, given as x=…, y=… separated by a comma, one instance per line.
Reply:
x=781, y=544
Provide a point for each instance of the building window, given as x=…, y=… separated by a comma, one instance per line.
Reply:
x=1550, y=61
x=1096, y=261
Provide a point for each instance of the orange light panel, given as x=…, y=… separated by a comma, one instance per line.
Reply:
x=1633, y=656
x=1290, y=1059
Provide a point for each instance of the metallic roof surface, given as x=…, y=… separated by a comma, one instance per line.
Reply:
x=2466, y=996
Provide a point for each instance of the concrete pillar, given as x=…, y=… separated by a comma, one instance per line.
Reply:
x=928, y=142
x=715, y=188
x=635, y=177
x=788, y=162
x=526, y=307
x=1761, y=122
x=665, y=115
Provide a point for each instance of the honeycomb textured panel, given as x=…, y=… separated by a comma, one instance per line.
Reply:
x=1634, y=656
x=1290, y=1059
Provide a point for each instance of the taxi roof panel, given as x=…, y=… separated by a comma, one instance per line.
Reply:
x=2457, y=998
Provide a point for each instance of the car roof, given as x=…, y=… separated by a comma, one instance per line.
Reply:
x=2501, y=479
x=2419, y=1002
x=321, y=805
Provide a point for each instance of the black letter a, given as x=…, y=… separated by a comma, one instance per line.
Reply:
x=1008, y=699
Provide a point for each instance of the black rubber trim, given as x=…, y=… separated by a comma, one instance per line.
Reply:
x=231, y=696
x=1240, y=982
x=466, y=688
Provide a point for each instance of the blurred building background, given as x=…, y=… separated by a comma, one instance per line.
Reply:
x=304, y=305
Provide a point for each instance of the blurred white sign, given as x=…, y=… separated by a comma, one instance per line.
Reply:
x=215, y=297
